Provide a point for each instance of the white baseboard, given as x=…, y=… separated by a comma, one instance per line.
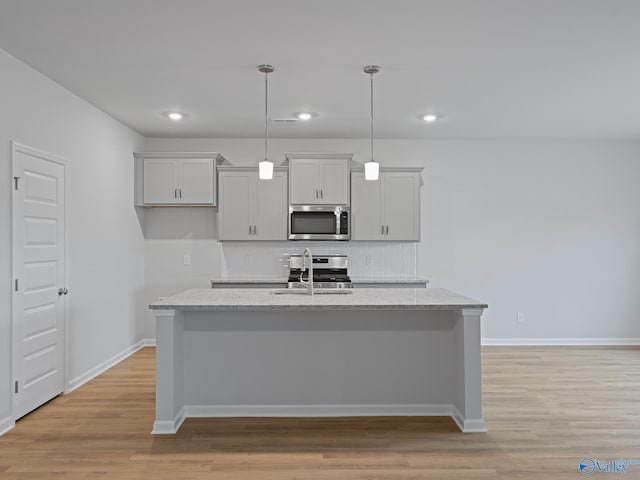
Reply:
x=6, y=424
x=351, y=410
x=504, y=342
x=470, y=425
x=169, y=427
x=107, y=364
x=164, y=427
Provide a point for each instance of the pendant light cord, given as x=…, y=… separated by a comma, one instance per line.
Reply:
x=266, y=120
x=371, y=75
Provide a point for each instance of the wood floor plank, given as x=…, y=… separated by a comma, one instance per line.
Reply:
x=546, y=408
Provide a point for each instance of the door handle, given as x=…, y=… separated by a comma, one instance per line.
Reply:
x=62, y=291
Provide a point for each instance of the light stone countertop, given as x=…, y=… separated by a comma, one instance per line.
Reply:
x=390, y=280
x=361, y=299
x=250, y=280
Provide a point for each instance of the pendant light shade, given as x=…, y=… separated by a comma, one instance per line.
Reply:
x=371, y=168
x=265, y=167
x=265, y=170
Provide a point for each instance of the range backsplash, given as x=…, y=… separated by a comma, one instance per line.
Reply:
x=270, y=259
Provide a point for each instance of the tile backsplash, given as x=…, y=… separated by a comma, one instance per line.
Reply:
x=271, y=259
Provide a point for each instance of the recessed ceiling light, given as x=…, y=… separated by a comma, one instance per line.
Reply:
x=304, y=116
x=175, y=116
x=430, y=117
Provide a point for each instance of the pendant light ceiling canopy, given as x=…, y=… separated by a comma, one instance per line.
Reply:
x=265, y=167
x=371, y=168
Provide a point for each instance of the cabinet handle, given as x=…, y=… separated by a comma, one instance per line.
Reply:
x=249, y=229
x=175, y=193
x=180, y=193
x=255, y=229
x=316, y=193
x=321, y=193
x=387, y=230
x=381, y=229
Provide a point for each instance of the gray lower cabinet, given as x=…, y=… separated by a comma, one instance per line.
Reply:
x=249, y=208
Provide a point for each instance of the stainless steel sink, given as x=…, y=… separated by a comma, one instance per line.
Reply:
x=316, y=291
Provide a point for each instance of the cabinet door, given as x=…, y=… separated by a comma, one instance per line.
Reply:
x=303, y=186
x=196, y=181
x=334, y=182
x=401, y=205
x=235, y=212
x=160, y=181
x=272, y=208
x=366, y=212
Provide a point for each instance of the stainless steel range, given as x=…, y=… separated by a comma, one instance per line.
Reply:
x=329, y=271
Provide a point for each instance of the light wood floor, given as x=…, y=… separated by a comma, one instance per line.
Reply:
x=546, y=408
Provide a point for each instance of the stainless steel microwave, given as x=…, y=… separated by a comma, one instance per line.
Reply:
x=319, y=222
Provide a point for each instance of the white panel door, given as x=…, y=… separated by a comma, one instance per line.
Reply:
x=334, y=178
x=303, y=182
x=366, y=208
x=196, y=181
x=161, y=181
x=39, y=272
x=401, y=204
x=236, y=211
x=272, y=208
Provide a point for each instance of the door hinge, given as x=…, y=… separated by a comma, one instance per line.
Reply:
x=16, y=284
x=15, y=179
x=16, y=389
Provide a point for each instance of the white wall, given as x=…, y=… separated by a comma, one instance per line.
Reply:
x=106, y=272
x=548, y=228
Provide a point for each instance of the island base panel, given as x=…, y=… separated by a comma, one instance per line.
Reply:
x=318, y=363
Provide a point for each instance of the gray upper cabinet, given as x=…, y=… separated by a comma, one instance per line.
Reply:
x=250, y=208
x=318, y=179
x=176, y=178
x=387, y=209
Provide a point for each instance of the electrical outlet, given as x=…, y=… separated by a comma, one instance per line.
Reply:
x=520, y=317
x=186, y=259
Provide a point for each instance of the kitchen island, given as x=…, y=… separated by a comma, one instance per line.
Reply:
x=255, y=352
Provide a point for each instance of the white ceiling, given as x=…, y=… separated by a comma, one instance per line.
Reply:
x=494, y=68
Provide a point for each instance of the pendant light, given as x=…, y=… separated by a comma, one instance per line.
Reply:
x=371, y=168
x=265, y=167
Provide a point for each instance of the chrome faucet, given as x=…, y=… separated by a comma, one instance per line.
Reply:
x=309, y=268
